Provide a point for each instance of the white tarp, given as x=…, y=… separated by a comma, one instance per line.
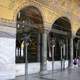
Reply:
x=7, y=58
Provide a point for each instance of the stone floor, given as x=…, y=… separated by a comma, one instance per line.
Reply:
x=68, y=74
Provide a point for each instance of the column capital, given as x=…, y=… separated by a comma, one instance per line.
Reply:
x=73, y=36
x=45, y=31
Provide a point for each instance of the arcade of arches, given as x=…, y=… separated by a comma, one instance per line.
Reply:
x=41, y=41
x=51, y=28
x=29, y=21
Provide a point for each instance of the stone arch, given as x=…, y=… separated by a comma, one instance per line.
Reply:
x=62, y=21
x=59, y=36
x=27, y=4
x=56, y=17
x=29, y=20
x=37, y=16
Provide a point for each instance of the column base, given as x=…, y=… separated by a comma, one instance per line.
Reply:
x=43, y=72
x=70, y=67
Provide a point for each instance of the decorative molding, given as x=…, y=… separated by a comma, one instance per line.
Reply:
x=7, y=23
x=7, y=30
x=7, y=34
x=7, y=27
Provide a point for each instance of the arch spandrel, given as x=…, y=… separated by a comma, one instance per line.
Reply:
x=48, y=15
x=75, y=25
x=27, y=4
x=54, y=16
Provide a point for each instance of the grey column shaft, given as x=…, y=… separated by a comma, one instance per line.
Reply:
x=77, y=49
x=67, y=49
x=38, y=54
x=44, y=52
x=63, y=56
x=26, y=61
x=76, y=53
x=64, y=50
x=53, y=57
x=71, y=52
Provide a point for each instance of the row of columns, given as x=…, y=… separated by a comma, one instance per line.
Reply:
x=43, y=64
x=44, y=53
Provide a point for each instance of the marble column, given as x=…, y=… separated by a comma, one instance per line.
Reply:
x=26, y=61
x=71, y=52
x=53, y=57
x=63, y=56
x=61, y=52
x=26, y=43
x=43, y=64
x=39, y=50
